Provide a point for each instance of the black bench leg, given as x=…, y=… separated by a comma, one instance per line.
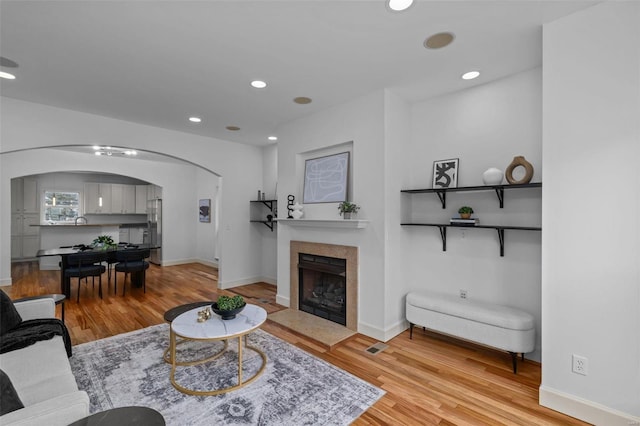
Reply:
x=410, y=330
x=514, y=360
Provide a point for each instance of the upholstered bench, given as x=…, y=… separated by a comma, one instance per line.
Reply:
x=498, y=326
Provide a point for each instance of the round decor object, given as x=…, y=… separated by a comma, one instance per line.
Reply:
x=517, y=162
x=227, y=315
x=492, y=176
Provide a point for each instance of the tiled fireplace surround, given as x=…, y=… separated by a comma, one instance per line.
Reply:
x=330, y=250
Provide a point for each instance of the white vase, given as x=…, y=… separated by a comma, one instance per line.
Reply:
x=492, y=176
x=297, y=211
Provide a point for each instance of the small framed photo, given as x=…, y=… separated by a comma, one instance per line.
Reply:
x=445, y=173
x=204, y=210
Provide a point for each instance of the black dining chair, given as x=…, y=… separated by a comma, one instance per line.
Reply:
x=86, y=264
x=131, y=261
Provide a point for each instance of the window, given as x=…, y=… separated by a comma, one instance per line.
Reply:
x=61, y=207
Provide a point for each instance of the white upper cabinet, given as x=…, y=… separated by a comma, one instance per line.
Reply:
x=24, y=195
x=97, y=198
x=141, y=199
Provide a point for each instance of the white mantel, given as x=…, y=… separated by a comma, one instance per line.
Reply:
x=326, y=223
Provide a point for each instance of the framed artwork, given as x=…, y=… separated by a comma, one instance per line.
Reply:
x=204, y=210
x=445, y=173
x=326, y=179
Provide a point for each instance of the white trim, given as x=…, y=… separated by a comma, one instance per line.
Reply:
x=326, y=223
x=583, y=409
x=6, y=281
x=282, y=300
x=230, y=284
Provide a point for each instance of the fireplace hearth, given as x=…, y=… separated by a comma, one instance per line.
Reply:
x=322, y=282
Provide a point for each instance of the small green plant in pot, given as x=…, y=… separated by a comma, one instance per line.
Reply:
x=228, y=306
x=465, y=212
x=347, y=208
x=104, y=241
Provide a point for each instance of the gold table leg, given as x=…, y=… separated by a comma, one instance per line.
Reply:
x=175, y=363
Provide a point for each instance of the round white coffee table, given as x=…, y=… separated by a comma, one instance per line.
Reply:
x=187, y=327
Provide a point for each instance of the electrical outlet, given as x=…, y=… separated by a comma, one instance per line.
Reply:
x=463, y=294
x=580, y=365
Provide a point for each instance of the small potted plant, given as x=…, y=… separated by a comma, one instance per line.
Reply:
x=228, y=306
x=465, y=212
x=346, y=209
x=104, y=242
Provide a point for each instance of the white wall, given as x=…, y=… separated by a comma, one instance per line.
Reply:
x=207, y=232
x=590, y=263
x=484, y=126
x=27, y=125
x=362, y=123
x=269, y=238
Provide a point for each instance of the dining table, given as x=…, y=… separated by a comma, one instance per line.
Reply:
x=65, y=252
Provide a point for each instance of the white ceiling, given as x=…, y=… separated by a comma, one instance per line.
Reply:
x=159, y=62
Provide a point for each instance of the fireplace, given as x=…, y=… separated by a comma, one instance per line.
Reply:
x=324, y=281
x=322, y=287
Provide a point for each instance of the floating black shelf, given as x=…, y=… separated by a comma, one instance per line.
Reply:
x=270, y=204
x=499, y=228
x=499, y=189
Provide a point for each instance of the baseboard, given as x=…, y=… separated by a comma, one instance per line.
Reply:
x=6, y=281
x=230, y=284
x=583, y=409
x=213, y=264
x=282, y=300
x=371, y=331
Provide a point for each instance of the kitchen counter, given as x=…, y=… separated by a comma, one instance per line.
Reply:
x=84, y=225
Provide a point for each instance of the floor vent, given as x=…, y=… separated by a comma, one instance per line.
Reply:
x=377, y=348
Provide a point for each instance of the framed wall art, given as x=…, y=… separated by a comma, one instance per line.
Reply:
x=326, y=179
x=204, y=210
x=445, y=173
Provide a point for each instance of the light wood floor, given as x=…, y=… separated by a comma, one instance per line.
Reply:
x=429, y=380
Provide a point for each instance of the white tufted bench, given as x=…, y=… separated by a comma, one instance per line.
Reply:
x=501, y=327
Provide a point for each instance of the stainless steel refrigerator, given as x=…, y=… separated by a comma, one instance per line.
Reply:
x=154, y=230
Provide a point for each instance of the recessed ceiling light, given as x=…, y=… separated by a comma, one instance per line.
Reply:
x=470, y=75
x=302, y=100
x=399, y=5
x=7, y=75
x=195, y=119
x=233, y=128
x=96, y=147
x=438, y=41
x=273, y=138
x=258, y=84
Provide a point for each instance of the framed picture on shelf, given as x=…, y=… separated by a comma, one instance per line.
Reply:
x=326, y=179
x=204, y=210
x=445, y=173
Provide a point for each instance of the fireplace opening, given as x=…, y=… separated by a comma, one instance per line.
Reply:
x=322, y=287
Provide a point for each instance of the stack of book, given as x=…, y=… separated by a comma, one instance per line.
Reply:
x=458, y=221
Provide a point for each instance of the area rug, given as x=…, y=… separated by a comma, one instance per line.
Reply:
x=296, y=388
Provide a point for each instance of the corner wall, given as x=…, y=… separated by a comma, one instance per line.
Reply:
x=590, y=267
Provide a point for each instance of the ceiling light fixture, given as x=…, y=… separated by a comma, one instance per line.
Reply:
x=399, y=5
x=258, y=84
x=7, y=75
x=470, y=75
x=109, y=151
x=195, y=119
x=233, y=128
x=302, y=100
x=273, y=138
x=8, y=63
x=438, y=41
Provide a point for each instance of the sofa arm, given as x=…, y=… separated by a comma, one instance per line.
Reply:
x=36, y=308
x=61, y=410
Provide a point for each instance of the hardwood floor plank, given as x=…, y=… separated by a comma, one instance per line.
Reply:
x=429, y=380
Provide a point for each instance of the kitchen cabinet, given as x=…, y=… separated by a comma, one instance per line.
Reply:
x=97, y=198
x=24, y=195
x=123, y=199
x=25, y=239
x=141, y=199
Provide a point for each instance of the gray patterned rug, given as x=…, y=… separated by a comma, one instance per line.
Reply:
x=295, y=388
